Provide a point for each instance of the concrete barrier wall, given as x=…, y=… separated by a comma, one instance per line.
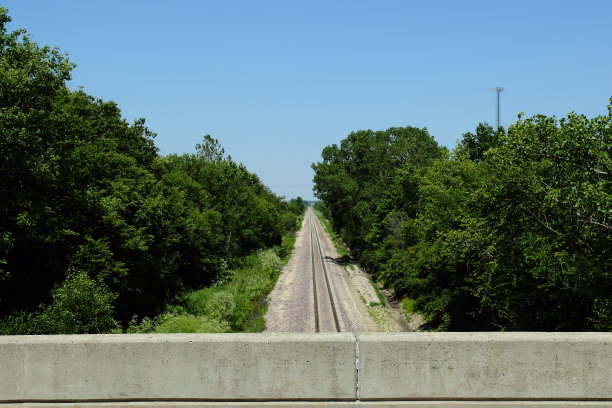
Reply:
x=510, y=366
x=416, y=370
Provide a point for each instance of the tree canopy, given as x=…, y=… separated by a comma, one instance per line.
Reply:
x=88, y=205
x=511, y=231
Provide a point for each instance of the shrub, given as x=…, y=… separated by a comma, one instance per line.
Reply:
x=268, y=262
x=171, y=323
x=221, y=305
x=80, y=305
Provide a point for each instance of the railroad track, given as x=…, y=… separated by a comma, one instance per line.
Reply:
x=325, y=313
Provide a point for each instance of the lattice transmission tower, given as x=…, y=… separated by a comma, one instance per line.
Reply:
x=498, y=90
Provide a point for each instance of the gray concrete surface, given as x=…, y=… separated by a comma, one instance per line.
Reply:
x=508, y=366
x=173, y=367
x=416, y=370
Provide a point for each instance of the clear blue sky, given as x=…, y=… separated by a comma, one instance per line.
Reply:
x=276, y=81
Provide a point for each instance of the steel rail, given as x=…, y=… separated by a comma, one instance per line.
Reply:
x=314, y=277
x=325, y=274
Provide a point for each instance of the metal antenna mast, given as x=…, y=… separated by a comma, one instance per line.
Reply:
x=498, y=90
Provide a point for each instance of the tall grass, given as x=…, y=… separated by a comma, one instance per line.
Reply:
x=235, y=305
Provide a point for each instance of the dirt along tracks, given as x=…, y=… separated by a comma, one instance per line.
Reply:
x=315, y=293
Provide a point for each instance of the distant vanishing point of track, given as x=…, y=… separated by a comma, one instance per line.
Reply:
x=314, y=293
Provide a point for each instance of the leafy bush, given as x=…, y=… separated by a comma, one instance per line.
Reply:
x=221, y=305
x=185, y=323
x=268, y=263
x=79, y=305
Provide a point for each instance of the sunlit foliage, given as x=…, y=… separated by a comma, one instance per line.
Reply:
x=90, y=212
x=512, y=231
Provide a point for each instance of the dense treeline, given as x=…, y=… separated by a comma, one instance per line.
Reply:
x=95, y=226
x=509, y=231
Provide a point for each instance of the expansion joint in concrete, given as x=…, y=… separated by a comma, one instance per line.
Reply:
x=356, y=367
x=424, y=370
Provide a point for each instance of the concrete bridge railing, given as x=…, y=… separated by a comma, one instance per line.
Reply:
x=499, y=370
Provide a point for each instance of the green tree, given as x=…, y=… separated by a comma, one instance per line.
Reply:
x=509, y=232
x=82, y=189
x=352, y=177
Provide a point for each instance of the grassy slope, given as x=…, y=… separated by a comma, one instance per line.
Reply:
x=234, y=304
